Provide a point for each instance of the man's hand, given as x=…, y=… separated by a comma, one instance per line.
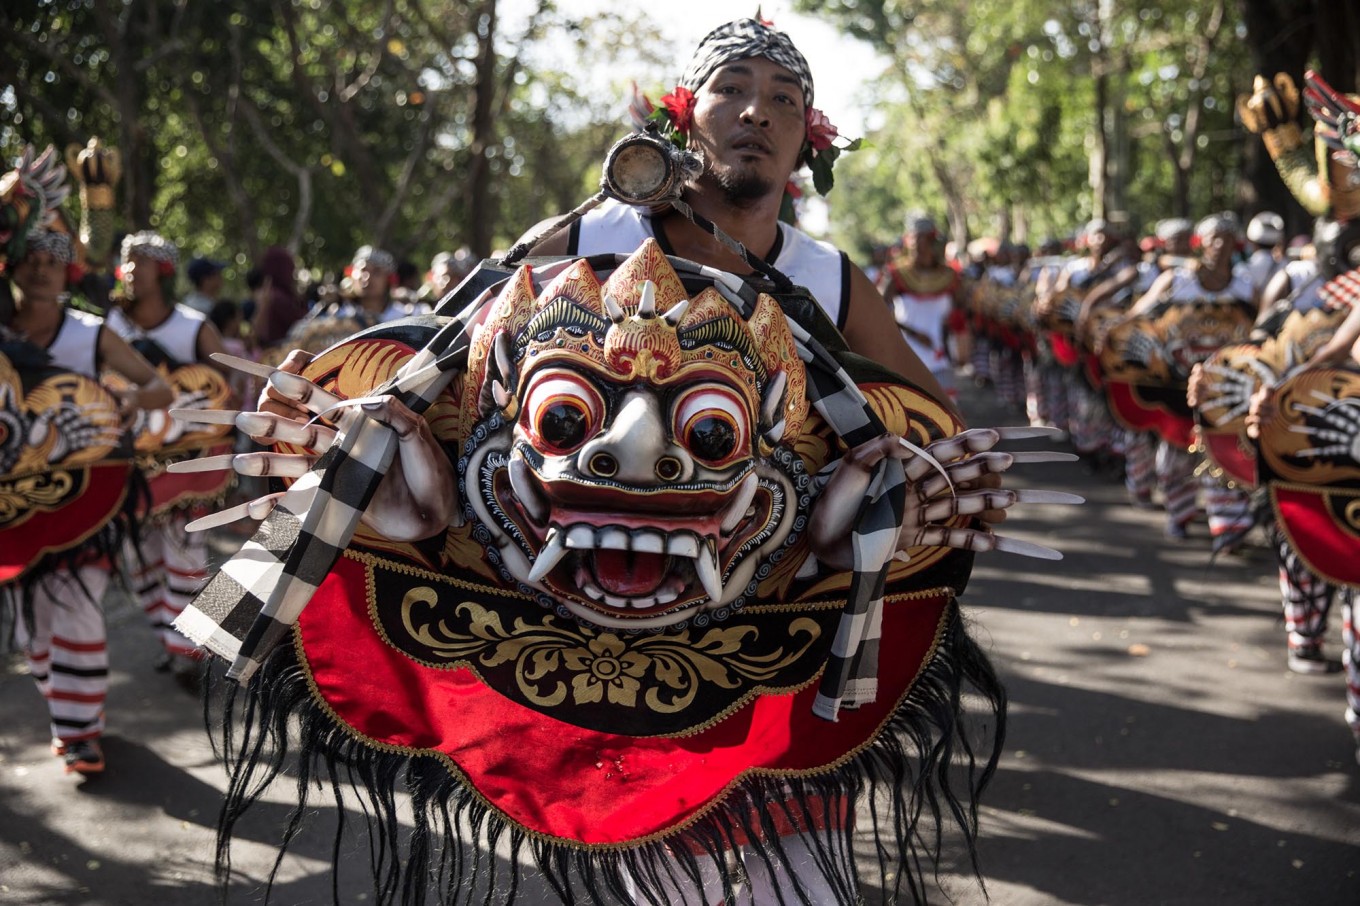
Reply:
x=957, y=476
x=1261, y=411
x=1195, y=386
x=416, y=498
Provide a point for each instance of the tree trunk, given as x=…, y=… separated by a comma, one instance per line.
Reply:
x=1100, y=157
x=1280, y=37
x=121, y=36
x=481, y=227
x=1338, y=44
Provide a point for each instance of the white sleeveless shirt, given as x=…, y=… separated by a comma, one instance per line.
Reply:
x=1305, y=279
x=820, y=267
x=76, y=345
x=177, y=335
x=1185, y=287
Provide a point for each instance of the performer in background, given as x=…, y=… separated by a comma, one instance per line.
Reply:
x=1213, y=278
x=923, y=293
x=171, y=564
x=53, y=574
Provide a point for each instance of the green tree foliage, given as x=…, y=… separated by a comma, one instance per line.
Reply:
x=1020, y=118
x=419, y=125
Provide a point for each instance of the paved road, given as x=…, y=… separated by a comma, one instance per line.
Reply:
x=1159, y=751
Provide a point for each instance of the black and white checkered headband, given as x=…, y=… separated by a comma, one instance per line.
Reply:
x=739, y=40
x=375, y=258
x=1224, y=222
x=150, y=244
x=1173, y=227
x=54, y=243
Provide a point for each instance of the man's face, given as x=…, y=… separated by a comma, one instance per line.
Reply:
x=40, y=276
x=141, y=276
x=211, y=285
x=370, y=279
x=921, y=245
x=1179, y=244
x=1215, y=247
x=749, y=125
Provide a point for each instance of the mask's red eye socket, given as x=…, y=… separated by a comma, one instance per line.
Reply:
x=562, y=410
x=711, y=423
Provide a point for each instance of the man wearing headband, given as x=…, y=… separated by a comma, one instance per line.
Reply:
x=1068, y=399
x=1214, y=276
x=1331, y=280
x=147, y=313
x=63, y=634
x=366, y=292
x=923, y=292
x=747, y=112
x=172, y=563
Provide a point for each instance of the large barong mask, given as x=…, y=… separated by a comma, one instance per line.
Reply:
x=623, y=463
x=684, y=530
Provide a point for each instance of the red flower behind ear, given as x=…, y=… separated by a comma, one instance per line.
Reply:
x=680, y=105
x=820, y=132
x=165, y=269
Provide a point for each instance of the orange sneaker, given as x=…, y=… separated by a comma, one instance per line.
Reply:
x=84, y=756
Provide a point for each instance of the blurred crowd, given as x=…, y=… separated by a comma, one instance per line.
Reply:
x=1208, y=367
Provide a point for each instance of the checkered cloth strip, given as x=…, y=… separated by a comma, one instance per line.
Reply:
x=1342, y=291
x=851, y=675
x=250, y=606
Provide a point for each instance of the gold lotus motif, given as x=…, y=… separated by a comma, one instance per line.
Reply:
x=559, y=664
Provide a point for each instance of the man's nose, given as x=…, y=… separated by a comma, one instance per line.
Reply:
x=755, y=114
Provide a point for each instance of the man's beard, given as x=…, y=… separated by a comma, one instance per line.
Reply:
x=742, y=188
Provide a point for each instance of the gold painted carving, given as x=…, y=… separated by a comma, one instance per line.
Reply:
x=556, y=664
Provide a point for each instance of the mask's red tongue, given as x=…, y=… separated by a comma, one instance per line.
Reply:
x=629, y=574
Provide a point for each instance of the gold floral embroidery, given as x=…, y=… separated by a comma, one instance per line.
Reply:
x=553, y=663
x=32, y=493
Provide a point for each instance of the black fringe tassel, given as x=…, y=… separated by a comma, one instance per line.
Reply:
x=925, y=771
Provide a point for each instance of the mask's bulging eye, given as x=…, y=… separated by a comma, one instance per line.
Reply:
x=711, y=423
x=562, y=411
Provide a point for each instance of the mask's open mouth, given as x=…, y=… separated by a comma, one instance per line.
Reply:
x=648, y=554
x=629, y=571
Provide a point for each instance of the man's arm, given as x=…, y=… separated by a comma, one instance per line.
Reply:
x=210, y=341
x=1104, y=292
x=556, y=244
x=1277, y=287
x=1342, y=344
x=1159, y=288
x=150, y=390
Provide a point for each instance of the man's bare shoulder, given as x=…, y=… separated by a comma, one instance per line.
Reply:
x=555, y=244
